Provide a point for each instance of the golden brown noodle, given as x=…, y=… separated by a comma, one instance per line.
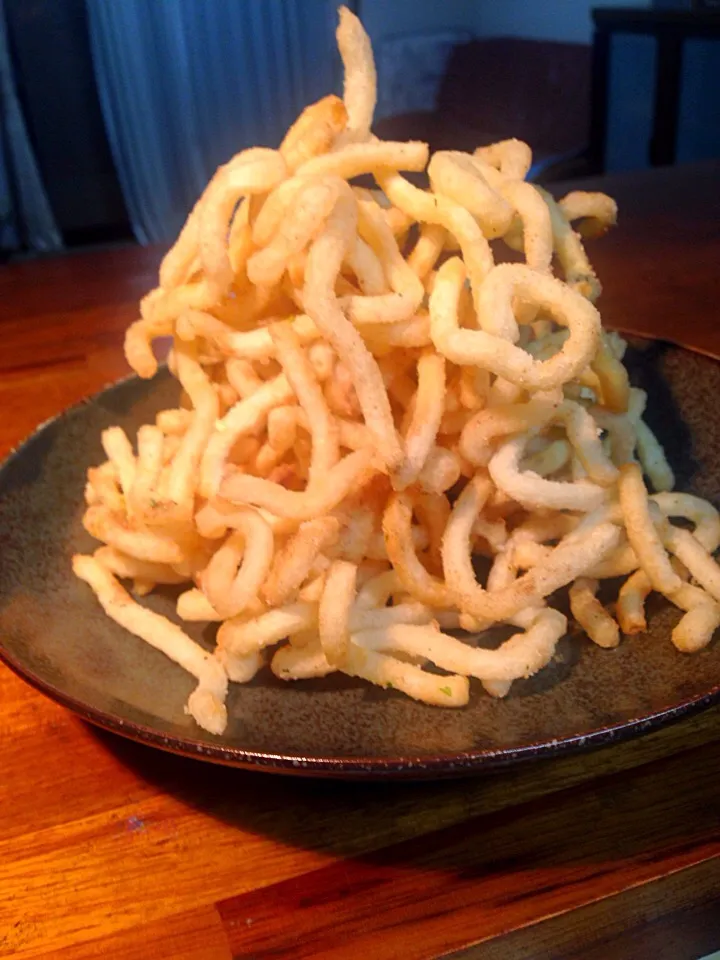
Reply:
x=363, y=414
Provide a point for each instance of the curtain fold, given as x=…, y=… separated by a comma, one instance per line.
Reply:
x=185, y=84
x=26, y=219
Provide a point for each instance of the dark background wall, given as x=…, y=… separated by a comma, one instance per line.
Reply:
x=51, y=53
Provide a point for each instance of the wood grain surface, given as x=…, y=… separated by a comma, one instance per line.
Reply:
x=109, y=849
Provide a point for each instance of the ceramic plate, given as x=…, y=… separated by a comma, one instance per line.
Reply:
x=53, y=633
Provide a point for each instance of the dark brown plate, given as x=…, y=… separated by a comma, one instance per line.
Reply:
x=53, y=633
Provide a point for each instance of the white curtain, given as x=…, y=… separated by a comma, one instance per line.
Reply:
x=185, y=84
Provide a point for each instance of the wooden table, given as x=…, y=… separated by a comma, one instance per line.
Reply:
x=109, y=849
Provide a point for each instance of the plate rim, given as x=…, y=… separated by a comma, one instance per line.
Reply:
x=410, y=766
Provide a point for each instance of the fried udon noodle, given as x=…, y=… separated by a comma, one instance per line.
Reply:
x=370, y=401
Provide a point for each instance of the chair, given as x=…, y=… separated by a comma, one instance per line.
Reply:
x=536, y=90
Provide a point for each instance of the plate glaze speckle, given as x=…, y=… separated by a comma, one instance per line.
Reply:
x=54, y=634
